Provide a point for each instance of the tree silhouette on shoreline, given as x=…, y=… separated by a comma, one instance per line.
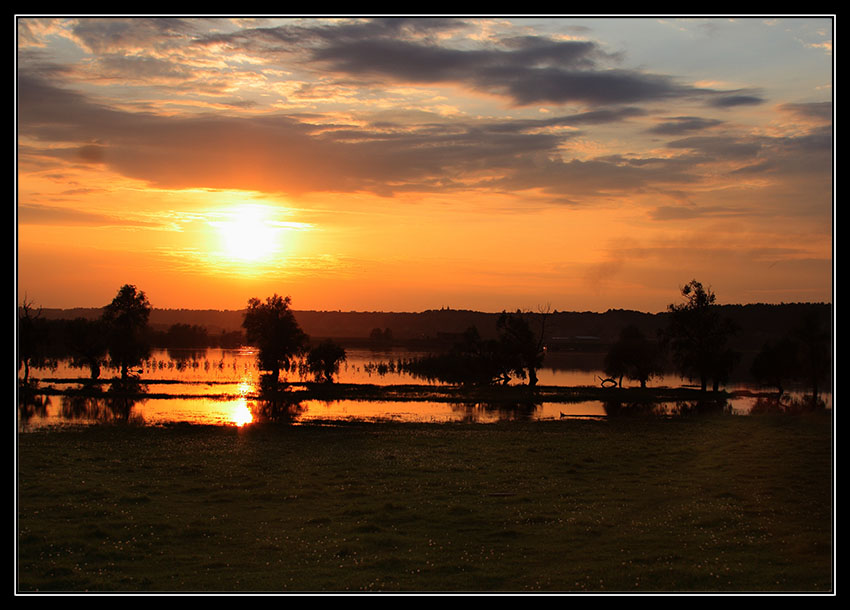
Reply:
x=30, y=338
x=698, y=337
x=271, y=327
x=126, y=320
x=324, y=360
x=522, y=348
x=633, y=356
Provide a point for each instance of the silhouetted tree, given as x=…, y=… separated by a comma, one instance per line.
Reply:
x=126, y=321
x=87, y=344
x=470, y=361
x=522, y=346
x=633, y=356
x=698, y=337
x=776, y=364
x=31, y=338
x=381, y=337
x=186, y=336
x=271, y=328
x=814, y=353
x=324, y=360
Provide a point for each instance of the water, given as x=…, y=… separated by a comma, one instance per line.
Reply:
x=220, y=387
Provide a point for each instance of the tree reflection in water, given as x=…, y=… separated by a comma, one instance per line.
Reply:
x=503, y=411
x=615, y=408
x=787, y=404
x=31, y=403
x=115, y=405
x=274, y=404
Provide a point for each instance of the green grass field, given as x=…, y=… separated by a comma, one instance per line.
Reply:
x=632, y=504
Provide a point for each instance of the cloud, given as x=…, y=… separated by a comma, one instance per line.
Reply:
x=721, y=147
x=821, y=111
x=730, y=101
x=35, y=214
x=684, y=124
x=531, y=70
x=669, y=212
x=409, y=149
x=136, y=68
x=120, y=34
x=524, y=69
x=284, y=154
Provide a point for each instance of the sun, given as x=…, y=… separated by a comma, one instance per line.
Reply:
x=250, y=234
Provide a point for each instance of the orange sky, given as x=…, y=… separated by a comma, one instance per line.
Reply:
x=408, y=164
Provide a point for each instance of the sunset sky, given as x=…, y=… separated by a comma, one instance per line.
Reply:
x=404, y=164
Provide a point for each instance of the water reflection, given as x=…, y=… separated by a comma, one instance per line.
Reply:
x=31, y=402
x=241, y=414
x=224, y=387
x=678, y=408
x=501, y=411
x=787, y=404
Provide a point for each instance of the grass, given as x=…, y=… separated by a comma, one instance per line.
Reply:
x=632, y=504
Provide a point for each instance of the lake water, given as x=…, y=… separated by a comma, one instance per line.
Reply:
x=220, y=387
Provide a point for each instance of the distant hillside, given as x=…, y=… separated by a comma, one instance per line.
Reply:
x=757, y=322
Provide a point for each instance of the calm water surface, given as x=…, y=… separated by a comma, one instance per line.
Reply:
x=219, y=387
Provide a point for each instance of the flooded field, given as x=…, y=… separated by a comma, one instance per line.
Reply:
x=221, y=387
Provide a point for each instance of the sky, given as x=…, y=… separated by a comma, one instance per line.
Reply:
x=406, y=163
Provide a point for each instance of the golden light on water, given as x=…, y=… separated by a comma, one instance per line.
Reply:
x=241, y=414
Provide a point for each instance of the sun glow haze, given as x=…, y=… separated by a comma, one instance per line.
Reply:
x=248, y=234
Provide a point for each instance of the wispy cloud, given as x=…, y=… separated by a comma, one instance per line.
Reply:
x=36, y=214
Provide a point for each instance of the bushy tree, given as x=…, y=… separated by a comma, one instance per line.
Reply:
x=126, y=324
x=271, y=327
x=633, y=356
x=324, y=360
x=698, y=337
x=523, y=348
x=470, y=361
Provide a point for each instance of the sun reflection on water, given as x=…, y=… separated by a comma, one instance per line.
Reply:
x=241, y=414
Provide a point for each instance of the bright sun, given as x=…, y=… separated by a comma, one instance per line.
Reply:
x=250, y=235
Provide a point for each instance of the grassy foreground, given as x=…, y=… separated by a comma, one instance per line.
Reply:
x=692, y=504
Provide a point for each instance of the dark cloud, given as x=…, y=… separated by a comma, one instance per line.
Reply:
x=287, y=154
x=525, y=69
x=602, y=176
x=821, y=111
x=684, y=124
x=720, y=147
x=528, y=71
x=730, y=101
x=91, y=153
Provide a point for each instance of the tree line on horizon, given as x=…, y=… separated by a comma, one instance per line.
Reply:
x=696, y=340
